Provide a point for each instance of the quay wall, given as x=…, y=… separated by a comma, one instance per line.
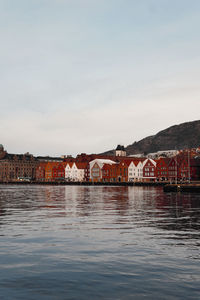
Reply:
x=88, y=183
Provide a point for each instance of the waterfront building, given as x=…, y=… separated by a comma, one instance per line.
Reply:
x=195, y=169
x=122, y=171
x=135, y=170
x=117, y=172
x=14, y=167
x=96, y=167
x=68, y=175
x=173, y=169
x=58, y=172
x=149, y=170
x=40, y=171
x=106, y=172
x=76, y=171
x=162, y=168
x=83, y=169
x=49, y=171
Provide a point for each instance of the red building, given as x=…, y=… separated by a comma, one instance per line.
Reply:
x=149, y=170
x=162, y=169
x=58, y=172
x=115, y=173
x=195, y=169
x=173, y=169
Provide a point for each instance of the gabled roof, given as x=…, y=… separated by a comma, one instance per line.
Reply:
x=153, y=162
x=165, y=160
x=70, y=164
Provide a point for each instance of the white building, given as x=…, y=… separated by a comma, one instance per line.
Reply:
x=75, y=171
x=68, y=167
x=135, y=170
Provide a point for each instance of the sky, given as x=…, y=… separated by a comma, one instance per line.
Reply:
x=81, y=76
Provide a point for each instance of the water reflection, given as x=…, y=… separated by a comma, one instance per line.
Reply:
x=134, y=205
x=98, y=242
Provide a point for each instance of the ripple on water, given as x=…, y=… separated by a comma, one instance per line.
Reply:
x=79, y=242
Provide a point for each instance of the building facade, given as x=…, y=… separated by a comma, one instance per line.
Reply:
x=14, y=167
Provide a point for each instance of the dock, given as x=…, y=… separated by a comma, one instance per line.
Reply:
x=189, y=188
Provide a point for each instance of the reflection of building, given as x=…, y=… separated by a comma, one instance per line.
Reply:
x=17, y=166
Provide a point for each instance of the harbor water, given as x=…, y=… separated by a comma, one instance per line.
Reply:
x=98, y=242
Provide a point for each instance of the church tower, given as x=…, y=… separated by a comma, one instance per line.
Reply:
x=2, y=152
x=120, y=151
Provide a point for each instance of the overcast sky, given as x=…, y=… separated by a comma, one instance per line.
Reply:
x=85, y=75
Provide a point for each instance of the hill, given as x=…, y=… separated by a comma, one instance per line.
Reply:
x=182, y=136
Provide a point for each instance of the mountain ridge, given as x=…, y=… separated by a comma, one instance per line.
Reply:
x=175, y=137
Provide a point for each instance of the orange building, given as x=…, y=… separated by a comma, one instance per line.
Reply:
x=49, y=170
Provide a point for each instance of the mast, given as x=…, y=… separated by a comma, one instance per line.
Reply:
x=189, y=166
x=176, y=170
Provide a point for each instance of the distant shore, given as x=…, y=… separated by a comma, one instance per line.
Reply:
x=85, y=183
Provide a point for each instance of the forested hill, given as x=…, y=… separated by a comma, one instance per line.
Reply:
x=185, y=135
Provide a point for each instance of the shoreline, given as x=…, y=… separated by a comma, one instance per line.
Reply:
x=85, y=183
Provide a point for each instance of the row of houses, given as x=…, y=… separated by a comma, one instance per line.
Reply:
x=99, y=168
x=121, y=170
x=62, y=171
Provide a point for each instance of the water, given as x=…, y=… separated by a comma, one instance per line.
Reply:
x=74, y=242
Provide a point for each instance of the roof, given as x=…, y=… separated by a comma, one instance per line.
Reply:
x=165, y=160
x=103, y=161
x=69, y=163
x=150, y=160
x=81, y=165
x=49, y=158
x=50, y=165
x=22, y=157
x=120, y=148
